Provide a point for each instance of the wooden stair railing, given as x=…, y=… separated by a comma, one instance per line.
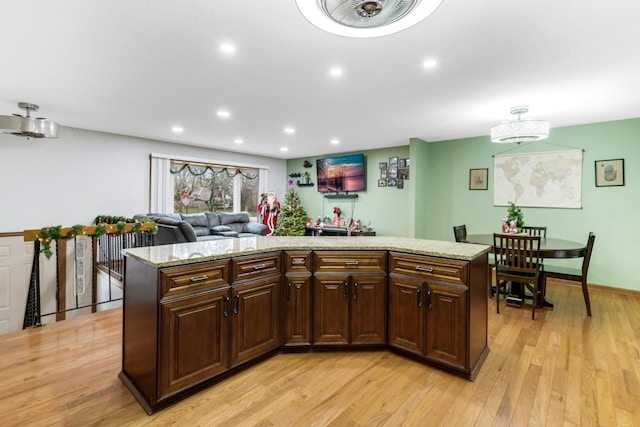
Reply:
x=107, y=241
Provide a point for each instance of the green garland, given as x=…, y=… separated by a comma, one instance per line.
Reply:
x=49, y=234
x=198, y=171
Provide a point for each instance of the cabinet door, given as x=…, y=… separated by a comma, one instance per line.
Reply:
x=447, y=324
x=331, y=309
x=406, y=314
x=368, y=309
x=297, y=322
x=193, y=340
x=255, y=322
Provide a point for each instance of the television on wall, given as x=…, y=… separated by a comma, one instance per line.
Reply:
x=341, y=173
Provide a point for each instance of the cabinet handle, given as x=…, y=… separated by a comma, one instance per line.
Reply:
x=425, y=269
x=199, y=279
x=259, y=267
x=289, y=291
x=237, y=307
x=419, y=300
x=346, y=289
x=227, y=303
x=355, y=290
x=297, y=262
x=354, y=262
x=429, y=306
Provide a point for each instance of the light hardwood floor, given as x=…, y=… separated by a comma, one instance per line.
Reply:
x=563, y=369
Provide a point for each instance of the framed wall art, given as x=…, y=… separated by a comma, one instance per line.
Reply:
x=609, y=173
x=478, y=179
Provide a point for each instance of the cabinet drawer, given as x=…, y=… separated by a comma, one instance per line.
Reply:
x=297, y=261
x=255, y=266
x=351, y=261
x=427, y=267
x=192, y=278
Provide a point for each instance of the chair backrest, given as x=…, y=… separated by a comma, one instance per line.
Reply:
x=535, y=230
x=460, y=233
x=517, y=256
x=587, y=254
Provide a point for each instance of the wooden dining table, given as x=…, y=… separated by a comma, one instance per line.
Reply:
x=550, y=248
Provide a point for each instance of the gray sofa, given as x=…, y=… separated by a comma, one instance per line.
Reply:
x=182, y=228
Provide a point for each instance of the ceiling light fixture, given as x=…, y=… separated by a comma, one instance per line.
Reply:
x=520, y=130
x=177, y=129
x=289, y=130
x=227, y=48
x=28, y=126
x=224, y=114
x=365, y=18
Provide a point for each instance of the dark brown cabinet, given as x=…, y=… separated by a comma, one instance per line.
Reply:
x=255, y=318
x=429, y=311
x=447, y=324
x=349, y=298
x=194, y=340
x=297, y=294
x=406, y=314
x=187, y=326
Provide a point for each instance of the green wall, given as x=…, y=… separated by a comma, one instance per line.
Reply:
x=437, y=196
x=386, y=208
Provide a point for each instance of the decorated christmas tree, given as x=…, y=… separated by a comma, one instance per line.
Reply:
x=293, y=217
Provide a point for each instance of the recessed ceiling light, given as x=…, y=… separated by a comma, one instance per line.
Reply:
x=224, y=114
x=289, y=130
x=429, y=63
x=283, y=149
x=227, y=47
x=335, y=141
x=238, y=140
x=335, y=72
x=177, y=129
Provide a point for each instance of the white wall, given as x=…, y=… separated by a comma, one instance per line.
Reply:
x=81, y=174
x=70, y=180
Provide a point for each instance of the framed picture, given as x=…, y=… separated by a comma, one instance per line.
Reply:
x=393, y=161
x=392, y=182
x=393, y=171
x=400, y=184
x=609, y=173
x=478, y=179
x=382, y=183
x=382, y=165
x=403, y=173
x=383, y=173
x=402, y=163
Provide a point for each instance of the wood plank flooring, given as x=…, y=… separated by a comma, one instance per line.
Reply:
x=563, y=369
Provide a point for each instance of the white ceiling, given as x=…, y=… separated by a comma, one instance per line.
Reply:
x=140, y=67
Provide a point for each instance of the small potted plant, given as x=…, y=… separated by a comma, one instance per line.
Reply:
x=514, y=221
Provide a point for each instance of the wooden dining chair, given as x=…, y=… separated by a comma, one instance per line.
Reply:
x=460, y=233
x=573, y=274
x=517, y=260
x=535, y=230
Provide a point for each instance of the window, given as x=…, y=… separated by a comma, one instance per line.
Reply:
x=201, y=187
x=186, y=185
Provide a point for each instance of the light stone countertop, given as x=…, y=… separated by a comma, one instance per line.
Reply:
x=188, y=253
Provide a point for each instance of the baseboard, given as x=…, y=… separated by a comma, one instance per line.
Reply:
x=599, y=288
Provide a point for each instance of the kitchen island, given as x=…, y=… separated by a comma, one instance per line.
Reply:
x=195, y=313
